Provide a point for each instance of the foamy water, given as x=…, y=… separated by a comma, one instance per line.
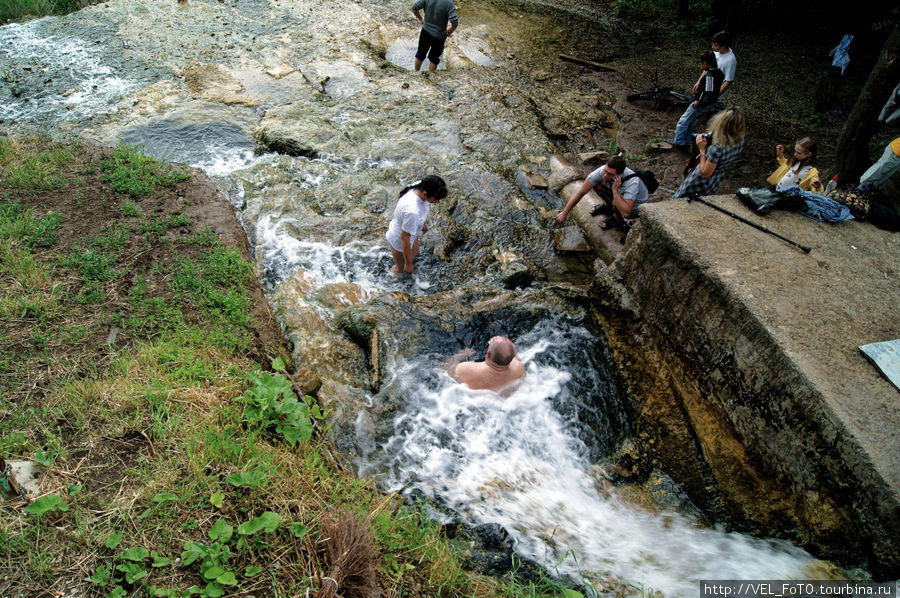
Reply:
x=218, y=148
x=74, y=65
x=519, y=462
x=363, y=263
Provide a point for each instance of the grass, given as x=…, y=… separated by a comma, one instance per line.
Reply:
x=130, y=171
x=175, y=463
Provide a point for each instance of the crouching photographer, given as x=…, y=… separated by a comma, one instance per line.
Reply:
x=717, y=150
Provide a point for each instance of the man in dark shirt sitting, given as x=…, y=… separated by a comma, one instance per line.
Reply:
x=705, y=99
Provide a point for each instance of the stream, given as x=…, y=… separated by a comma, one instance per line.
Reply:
x=308, y=117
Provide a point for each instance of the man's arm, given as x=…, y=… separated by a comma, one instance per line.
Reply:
x=453, y=19
x=573, y=201
x=699, y=81
x=452, y=362
x=725, y=85
x=416, y=12
x=620, y=199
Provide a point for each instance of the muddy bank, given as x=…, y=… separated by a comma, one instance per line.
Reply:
x=747, y=376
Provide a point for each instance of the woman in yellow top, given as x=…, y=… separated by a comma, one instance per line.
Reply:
x=799, y=169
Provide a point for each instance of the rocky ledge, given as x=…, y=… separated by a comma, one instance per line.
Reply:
x=741, y=353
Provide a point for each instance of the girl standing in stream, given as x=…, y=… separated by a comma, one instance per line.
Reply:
x=409, y=221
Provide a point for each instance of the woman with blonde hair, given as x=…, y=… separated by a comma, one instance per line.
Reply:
x=718, y=149
x=799, y=169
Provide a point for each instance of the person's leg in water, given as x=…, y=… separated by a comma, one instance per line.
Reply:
x=434, y=56
x=399, y=266
x=425, y=41
x=399, y=261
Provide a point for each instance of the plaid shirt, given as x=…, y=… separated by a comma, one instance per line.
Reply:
x=722, y=157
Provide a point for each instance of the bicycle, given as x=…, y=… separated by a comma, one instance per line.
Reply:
x=660, y=96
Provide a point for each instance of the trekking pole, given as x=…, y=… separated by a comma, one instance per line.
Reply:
x=694, y=196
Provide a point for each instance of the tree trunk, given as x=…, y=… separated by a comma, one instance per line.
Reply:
x=683, y=10
x=853, y=144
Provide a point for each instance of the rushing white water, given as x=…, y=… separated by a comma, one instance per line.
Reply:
x=217, y=148
x=92, y=87
x=362, y=263
x=521, y=463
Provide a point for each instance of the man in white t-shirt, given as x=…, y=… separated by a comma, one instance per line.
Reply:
x=726, y=61
x=620, y=190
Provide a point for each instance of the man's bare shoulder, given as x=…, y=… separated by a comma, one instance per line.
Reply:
x=466, y=371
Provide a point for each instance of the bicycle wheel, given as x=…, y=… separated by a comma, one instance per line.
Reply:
x=642, y=95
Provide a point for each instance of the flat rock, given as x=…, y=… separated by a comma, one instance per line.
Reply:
x=282, y=70
x=570, y=240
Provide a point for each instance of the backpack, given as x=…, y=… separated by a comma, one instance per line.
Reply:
x=647, y=177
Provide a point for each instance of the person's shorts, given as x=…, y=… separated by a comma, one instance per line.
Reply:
x=430, y=47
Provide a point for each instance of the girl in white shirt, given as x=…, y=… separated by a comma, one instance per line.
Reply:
x=799, y=169
x=409, y=221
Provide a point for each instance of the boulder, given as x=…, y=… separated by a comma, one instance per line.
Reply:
x=562, y=173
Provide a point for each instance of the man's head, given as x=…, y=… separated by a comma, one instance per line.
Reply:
x=614, y=166
x=721, y=41
x=708, y=60
x=501, y=350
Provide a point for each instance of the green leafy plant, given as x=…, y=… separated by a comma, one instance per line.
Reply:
x=613, y=147
x=247, y=479
x=47, y=504
x=45, y=458
x=270, y=403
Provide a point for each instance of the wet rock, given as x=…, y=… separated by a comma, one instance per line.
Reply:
x=628, y=467
x=282, y=70
x=307, y=381
x=296, y=131
x=214, y=83
x=278, y=144
x=485, y=549
x=536, y=181
x=338, y=296
x=451, y=237
x=516, y=275
x=570, y=240
x=562, y=173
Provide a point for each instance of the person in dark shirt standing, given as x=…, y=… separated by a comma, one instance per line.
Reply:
x=707, y=93
x=726, y=62
x=438, y=14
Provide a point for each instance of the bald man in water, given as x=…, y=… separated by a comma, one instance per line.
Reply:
x=499, y=371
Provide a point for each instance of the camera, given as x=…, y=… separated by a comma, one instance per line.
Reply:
x=707, y=137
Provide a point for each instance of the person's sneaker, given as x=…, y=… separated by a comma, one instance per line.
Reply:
x=679, y=146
